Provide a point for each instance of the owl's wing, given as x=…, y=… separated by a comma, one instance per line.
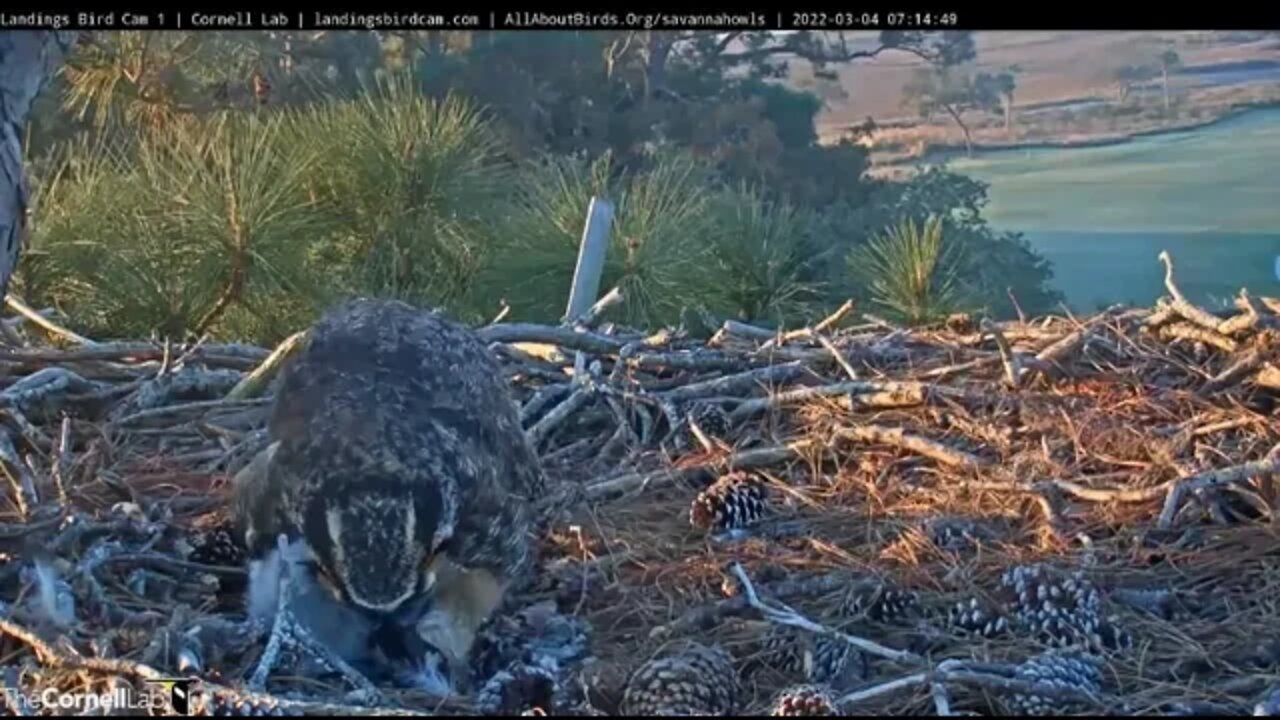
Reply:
x=256, y=498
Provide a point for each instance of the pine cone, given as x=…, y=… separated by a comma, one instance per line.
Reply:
x=693, y=680
x=804, y=701
x=830, y=661
x=1073, y=670
x=734, y=501
x=602, y=685
x=819, y=659
x=783, y=650
x=223, y=704
x=520, y=689
x=218, y=546
x=878, y=602
x=710, y=418
x=1061, y=610
x=535, y=634
x=976, y=618
x=956, y=534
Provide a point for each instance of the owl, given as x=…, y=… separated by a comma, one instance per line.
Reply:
x=398, y=467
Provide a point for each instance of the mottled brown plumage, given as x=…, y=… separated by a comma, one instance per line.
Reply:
x=397, y=455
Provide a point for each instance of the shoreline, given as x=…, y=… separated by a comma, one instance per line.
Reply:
x=944, y=151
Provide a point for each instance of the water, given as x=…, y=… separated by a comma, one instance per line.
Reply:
x=1237, y=73
x=1210, y=197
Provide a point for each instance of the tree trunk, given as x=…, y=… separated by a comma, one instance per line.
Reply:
x=1164, y=78
x=27, y=60
x=1008, y=113
x=657, y=49
x=968, y=139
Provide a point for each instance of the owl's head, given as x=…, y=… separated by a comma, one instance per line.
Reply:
x=376, y=548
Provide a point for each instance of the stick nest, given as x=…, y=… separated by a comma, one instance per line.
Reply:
x=1059, y=515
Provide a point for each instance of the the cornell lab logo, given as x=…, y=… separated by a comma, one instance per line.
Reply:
x=180, y=692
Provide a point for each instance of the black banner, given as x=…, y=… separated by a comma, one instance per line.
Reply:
x=890, y=16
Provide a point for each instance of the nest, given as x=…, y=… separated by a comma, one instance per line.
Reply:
x=1066, y=514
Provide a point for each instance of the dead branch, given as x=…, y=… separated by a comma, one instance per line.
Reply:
x=564, y=337
x=1180, y=304
x=899, y=438
x=1187, y=331
x=255, y=383
x=783, y=615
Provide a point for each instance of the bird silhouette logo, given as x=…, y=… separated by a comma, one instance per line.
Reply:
x=179, y=690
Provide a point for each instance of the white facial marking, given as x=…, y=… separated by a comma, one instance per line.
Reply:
x=410, y=526
x=333, y=520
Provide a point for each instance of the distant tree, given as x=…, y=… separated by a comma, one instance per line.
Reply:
x=1126, y=76
x=955, y=93
x=1169, y=61
x=631, y=94
x=1005, y=84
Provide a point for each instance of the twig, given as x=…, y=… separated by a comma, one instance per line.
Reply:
x=255, y=383
x=909, y=393
x=563, y=336
x=1012, y=368
x=36, y=389
x=876, y=691
x=836, y=354
x=503, y=312
x=699, y=360
x=897, y=437
x=734, y=384
x=25, y=495
x=830, y=321
x=62, y=460
x=787, y=616
x=279, y=627
x=1180, y=304
x=240, y=356
x=1194, y=333
x=48, y=325
x=941, y=699
x=191, y=407
x=707, y=616
x=545, y=395
x=1269, y=465
x=543, y=428
x=822, y=326
x=591, y=317
x=1247, y=363
x=741, y=329
x=757, y=457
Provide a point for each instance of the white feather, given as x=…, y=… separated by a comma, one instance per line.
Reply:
x=428, y=675
x=57, y=603
x=264, y=587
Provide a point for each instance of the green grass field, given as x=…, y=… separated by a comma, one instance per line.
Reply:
x=1102, y=214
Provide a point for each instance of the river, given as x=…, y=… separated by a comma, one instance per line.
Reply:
x=1211, y=197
